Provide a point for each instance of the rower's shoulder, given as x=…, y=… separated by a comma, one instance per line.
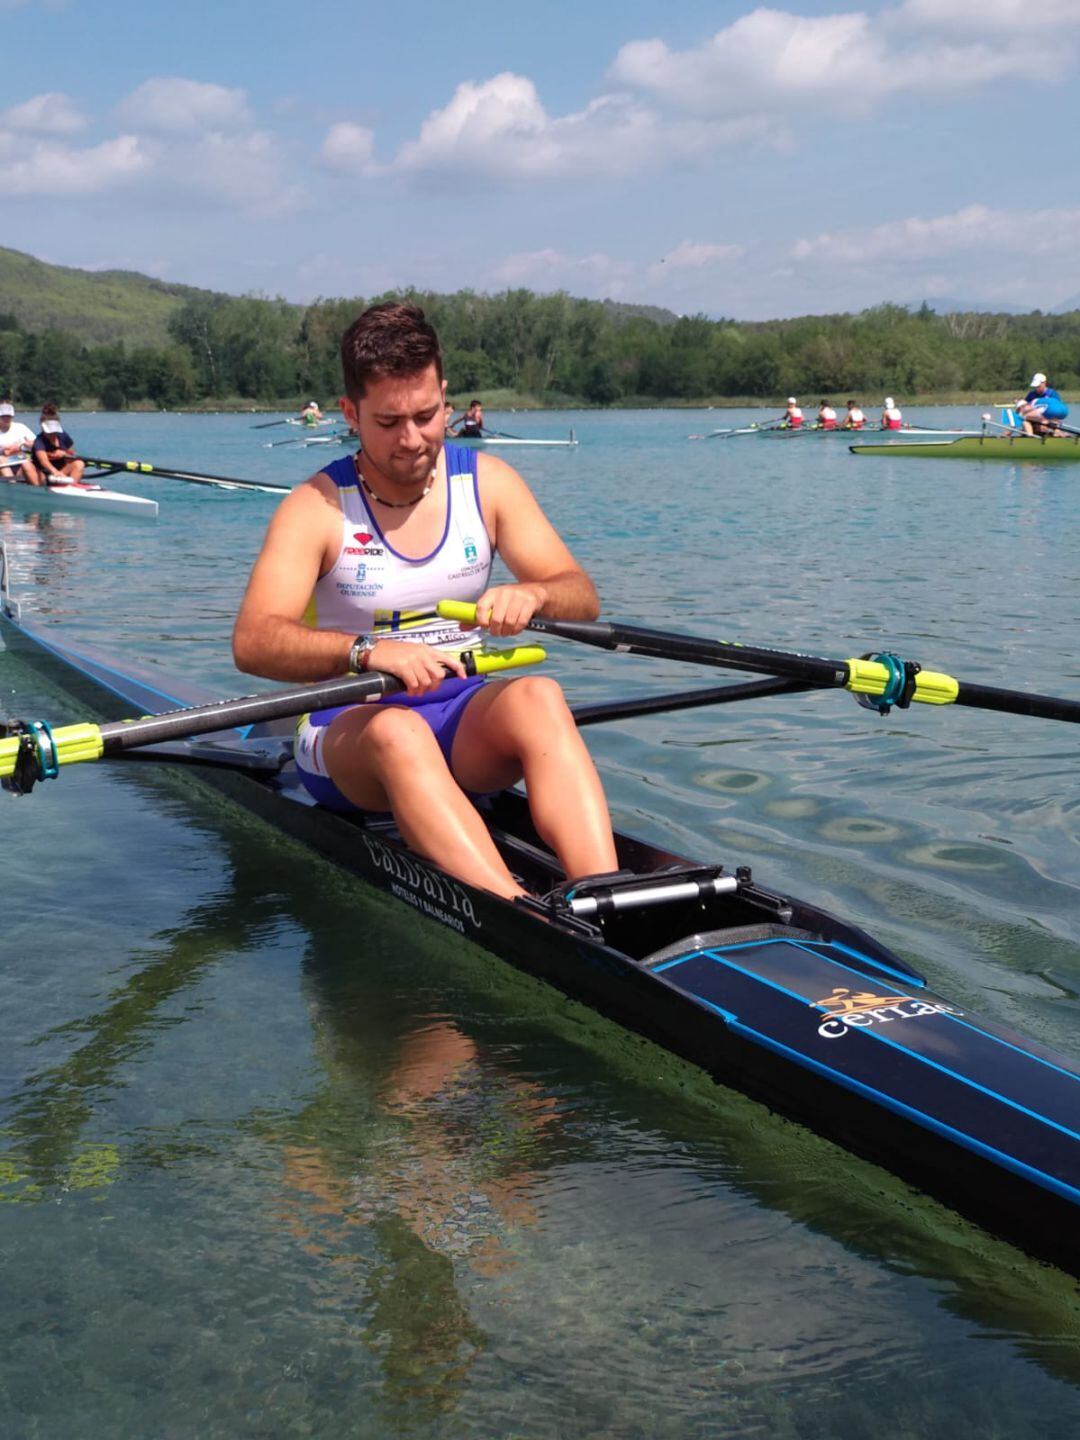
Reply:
x=497, y=477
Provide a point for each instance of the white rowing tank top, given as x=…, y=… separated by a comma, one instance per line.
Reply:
x=372, y=589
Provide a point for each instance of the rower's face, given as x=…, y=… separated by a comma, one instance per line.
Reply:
x=401, y=425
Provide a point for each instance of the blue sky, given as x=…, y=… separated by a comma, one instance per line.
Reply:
x=740, y=161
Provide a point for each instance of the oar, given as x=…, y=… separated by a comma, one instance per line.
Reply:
x=35, y=751
x=723, y=434
x=223, y=482
x=269, y=424
x=884, y=679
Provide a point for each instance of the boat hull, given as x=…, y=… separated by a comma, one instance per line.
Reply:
x=767, y=993
x=980, y=447
x=88, y=499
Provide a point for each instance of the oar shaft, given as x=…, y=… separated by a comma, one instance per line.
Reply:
x=143, y=467
x=870, y=677
x=74, y=743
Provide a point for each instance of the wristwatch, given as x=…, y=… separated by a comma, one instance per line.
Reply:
x=360, y=653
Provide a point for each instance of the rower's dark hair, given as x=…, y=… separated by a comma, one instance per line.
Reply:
x=393, y=338
x=50, y=410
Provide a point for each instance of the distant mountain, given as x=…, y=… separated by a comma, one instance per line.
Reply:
x=100, y=307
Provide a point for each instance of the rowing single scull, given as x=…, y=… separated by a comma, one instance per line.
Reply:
x=766, y=992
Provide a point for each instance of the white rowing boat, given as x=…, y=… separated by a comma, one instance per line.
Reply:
x=82, y=496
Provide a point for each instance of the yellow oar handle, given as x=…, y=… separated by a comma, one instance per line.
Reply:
x=463, y=611
x=490, y=662
x=72, y=744
x=870, y=677
x=139, y=467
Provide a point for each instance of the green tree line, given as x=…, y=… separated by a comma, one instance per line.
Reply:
x=554, y=348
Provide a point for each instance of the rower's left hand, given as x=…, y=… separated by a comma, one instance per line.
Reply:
x=507, y=609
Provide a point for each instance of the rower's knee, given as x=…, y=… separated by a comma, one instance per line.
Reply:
x=538, y=696
x=396, y=737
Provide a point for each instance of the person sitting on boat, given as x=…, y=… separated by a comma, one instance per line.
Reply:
x=891, y=416
x=311, y=414
x=16, y=443
x=826, y=416
x=54, y=451
x=449, y=428
x=352, y=565
x=854, y=419
x=1042, y=408
x=471, y=424
x=792, y=417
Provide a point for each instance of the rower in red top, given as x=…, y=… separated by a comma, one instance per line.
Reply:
x=826, y=416
x=854, y=419
x=792, y=417
x=891, y=416
x=352, y=565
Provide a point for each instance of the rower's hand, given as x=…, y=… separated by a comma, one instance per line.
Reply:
x=420, y=668
x=507, y=609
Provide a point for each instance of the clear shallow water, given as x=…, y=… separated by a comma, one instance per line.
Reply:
x=281, y=1161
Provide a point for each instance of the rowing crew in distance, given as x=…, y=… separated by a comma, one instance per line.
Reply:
x=793, y=418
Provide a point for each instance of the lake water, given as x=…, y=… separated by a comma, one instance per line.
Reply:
x=283, y=1161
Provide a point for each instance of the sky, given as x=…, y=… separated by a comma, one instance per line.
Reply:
x=717, y=158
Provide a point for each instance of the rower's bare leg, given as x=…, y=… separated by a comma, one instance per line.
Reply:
x=524, y=728
x=75, y=470
x=386, y=758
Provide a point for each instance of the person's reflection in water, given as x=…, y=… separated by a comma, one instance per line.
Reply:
x=443, y=1183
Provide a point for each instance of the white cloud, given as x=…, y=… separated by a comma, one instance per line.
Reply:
x=778, y=62
x=694, y=255
x=550, y=269
x=977, y=229
x=49, y=169
x=1016, y=17
x=171, y=105
x=349, y=148
x=51, y=113
x=238, y=171
x=500, y=130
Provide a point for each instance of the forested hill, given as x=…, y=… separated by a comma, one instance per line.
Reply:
x=173, y=346
x=101, y=307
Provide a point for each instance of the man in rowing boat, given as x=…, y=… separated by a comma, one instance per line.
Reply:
x=792, y=417
x=1042, y=408
x=892, y=417
x=352, y=564
x=826, y=416
x=54, y=451
x=311, y=414
x=16, y=443
x=854, y=419
x=471, y=424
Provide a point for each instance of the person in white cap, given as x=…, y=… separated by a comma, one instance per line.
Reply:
x=1042, y=408
x=311, y=414
x=792, y=417
x=891, y=416
x=16, y=442
x=54, y=451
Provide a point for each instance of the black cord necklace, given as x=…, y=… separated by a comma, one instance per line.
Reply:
x=392, y=504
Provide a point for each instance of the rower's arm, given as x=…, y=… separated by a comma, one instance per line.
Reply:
x=269, y=637
x=532, y=549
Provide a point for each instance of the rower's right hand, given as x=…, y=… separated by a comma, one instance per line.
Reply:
x=421, y=668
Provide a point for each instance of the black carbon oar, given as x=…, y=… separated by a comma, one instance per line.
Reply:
x=223, y=482
x=35, y=751
x=884, y=679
